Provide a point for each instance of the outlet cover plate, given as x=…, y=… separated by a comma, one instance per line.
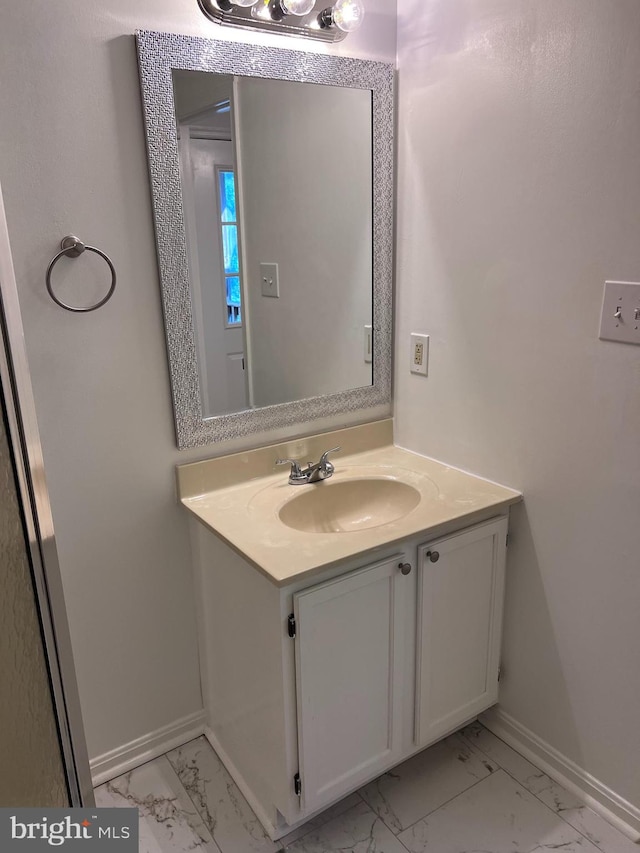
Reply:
x=620, y=319
x=419, y=357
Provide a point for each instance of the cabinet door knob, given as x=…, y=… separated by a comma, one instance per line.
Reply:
x=405, y=568
x=434, y=556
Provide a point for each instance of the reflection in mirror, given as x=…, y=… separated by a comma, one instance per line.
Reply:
x=272, y=181
x=276, y=180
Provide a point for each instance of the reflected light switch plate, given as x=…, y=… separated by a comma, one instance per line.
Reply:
x=368, y=345
x=269, y=280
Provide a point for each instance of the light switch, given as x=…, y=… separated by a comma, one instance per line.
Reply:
x=269, y=279
x=620, y=320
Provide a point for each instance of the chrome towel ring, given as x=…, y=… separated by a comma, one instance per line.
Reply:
x=73, y=248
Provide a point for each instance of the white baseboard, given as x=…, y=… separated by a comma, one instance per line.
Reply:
x=595, y=794
x=146, y=748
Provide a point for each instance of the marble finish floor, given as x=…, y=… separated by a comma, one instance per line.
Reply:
x=470, y=793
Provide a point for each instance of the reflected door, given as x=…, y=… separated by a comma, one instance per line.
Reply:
x=213, y=246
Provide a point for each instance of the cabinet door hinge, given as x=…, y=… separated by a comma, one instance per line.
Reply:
x=291, y=626
x=297, y=785
x=499, y=672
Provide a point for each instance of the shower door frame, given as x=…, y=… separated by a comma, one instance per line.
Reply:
x=33, y=495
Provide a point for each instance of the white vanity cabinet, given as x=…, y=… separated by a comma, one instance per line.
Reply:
x=460, y=596
x=349, y=679
x=314, y=688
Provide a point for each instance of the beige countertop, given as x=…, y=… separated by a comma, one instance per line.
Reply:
x=245, y=514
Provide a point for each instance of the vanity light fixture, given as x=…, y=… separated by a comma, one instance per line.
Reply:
x=302, y=18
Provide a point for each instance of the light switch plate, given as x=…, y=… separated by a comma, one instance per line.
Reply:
x=620, y=320
x=269, y=280
x=368, y=345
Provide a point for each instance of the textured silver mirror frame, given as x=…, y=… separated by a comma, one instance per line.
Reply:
x=158, y=55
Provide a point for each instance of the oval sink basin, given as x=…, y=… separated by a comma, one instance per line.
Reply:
x=349, y=505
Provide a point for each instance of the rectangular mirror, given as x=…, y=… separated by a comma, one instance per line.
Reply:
x=278, y=215
x=272, y=179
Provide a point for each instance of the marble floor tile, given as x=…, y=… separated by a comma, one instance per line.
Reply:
x=496, y=815
x=357, y=830
x=504, y=756
x=223, y=809
x=565, y=804
x=169, y=821
x=605, y=836
x=471, y=793
x=423, y=783
x=599, y=831
x=324, y=817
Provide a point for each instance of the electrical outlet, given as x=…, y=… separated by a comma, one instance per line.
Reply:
x=419, y=354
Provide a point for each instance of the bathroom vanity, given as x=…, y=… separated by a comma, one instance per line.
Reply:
x=343, y=625
x=348, y=623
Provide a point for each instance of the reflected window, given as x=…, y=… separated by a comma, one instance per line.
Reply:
x=230, y=245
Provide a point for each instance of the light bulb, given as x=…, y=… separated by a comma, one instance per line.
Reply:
x=347, y=15
x=297, y=7
x=244, y=3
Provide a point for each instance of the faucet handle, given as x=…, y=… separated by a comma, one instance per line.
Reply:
x=295, y=466
x=296, y=476
x=323, y=458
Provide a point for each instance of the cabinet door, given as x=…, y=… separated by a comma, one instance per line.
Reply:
x=460, y=597
x=348, y=674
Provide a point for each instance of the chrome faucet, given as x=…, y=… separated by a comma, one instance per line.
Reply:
x=322, y=470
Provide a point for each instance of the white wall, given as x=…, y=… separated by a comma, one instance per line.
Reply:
x=519, y=195
x=296, y=161
x=72, y=158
